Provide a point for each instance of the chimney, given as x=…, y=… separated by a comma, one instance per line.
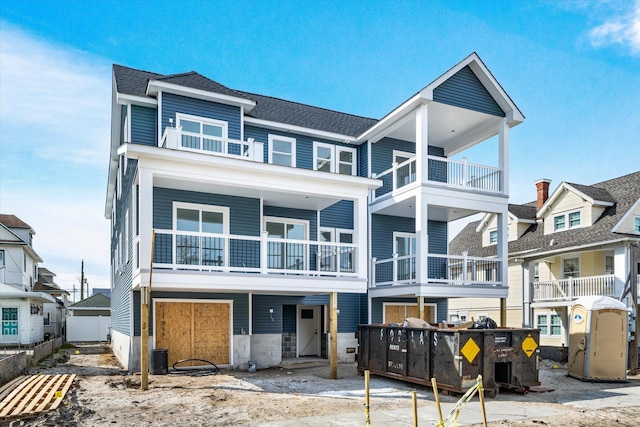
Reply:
x=542, y=185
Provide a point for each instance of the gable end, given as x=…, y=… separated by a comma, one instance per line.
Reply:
x=465, y=90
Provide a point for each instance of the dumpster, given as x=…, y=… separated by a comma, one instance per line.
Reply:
x=159, y=361
x=505, y=357
x=598, y=339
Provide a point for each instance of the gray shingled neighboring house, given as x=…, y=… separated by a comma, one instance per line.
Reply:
x=577, y=241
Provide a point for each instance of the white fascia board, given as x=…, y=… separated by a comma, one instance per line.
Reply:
x=454, y=198
x=155, y=86
x=126, y=99
x=484, y=222
x=513, y=114
x=238, y=172
x=116, y=119
x=378, y=131
x=626, y=216
x=301, y=130
x=21, y=242
x=434, y=290
x=185, y=281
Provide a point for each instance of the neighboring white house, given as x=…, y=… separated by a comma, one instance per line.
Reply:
x=55, y=314
x=22, y=309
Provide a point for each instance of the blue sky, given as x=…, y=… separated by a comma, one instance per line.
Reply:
x=572, y=67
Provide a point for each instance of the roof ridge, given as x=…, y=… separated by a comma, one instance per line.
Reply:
x=137, y=69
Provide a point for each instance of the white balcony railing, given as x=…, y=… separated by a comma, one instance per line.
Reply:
x=573, y=287
x=441, y=269
x=210, y=252
x=176, y=139
x=452, y=173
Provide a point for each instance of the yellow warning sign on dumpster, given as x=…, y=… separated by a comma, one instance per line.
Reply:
x=470, y=350
x=529, y=345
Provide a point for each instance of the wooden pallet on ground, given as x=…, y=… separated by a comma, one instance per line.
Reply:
x=31, y=395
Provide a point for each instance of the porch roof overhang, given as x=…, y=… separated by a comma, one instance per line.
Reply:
x=9, y=292
x=276, y=185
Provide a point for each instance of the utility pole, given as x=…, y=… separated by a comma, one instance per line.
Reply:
x=82, y=280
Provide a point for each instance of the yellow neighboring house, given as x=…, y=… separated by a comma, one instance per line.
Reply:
x=579, y=240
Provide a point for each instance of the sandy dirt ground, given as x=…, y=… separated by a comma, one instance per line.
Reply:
x=104, y=394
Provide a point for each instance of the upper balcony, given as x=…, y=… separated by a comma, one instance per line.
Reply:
x=178, y=139
x=450, y=173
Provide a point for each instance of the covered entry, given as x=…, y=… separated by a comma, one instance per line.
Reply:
x=309, y=330
x=194, y=330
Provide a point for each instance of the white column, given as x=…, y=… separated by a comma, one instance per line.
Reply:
x=503, y=155
x=621, y=268
x=422, y=238
x=360, y=225
x=526, y=297
x=503, y=244
x=422, y=143
x=145, y=214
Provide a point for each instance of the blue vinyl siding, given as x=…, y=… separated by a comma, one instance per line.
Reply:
x=464, y=90
x=122, y=281
x=172, y=104
x=384, y=226
x=348, y=319
x=144, y=125
x=244, y=219
x=304, y=145
x=382, y=153
x=377, y=307
x=339, y=215
x=240, y=307
x=363, y=152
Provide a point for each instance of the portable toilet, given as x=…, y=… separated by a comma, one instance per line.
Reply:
x=598, y=339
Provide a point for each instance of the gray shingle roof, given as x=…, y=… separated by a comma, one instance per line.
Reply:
x=12, y=221
x=624, y=191
x=134, y=82
x=523, y=211
x=596, y=193
x=94, y=301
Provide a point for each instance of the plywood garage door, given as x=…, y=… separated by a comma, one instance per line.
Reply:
x=193, y=330
x=394, y=313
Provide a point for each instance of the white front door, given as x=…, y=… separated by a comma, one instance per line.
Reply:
x=308, y=330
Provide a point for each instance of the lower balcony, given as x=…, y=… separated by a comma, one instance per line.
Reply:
x=573, y=287
x=226, y=253
x=447, y=270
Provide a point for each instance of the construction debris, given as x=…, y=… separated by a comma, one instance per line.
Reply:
x=32, y=395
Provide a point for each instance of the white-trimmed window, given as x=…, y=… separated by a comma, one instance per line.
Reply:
x=2, y=258
x=567, y=221
x=196, y=227
x=47, y=319
x=404, y=245
x=536, y=272
x=285, y=254
x=550, y=324
x=334, y=158
x=406, y=174
x=199, y=133
x=608, y=264
x=282, y=150
x=636, y=224
x=570, y=267
x=331, y=256
x=493, y=237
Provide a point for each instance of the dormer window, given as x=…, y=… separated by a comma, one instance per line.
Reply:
x=493, y=237
x=636, y=224
x=572, y=219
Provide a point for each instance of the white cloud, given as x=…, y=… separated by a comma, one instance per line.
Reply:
x=60, y=94
x=623, y=29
